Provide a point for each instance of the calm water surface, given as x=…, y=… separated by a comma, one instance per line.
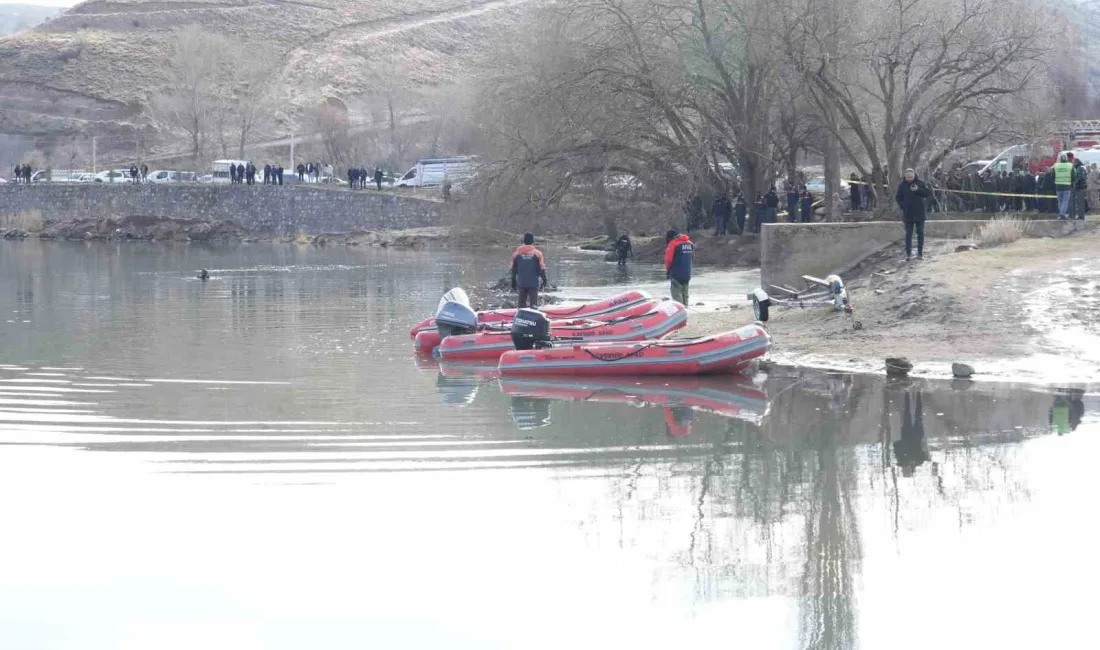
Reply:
x=260, y=462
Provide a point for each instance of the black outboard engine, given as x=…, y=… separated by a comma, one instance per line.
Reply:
x=530, y=330
x=454, y=315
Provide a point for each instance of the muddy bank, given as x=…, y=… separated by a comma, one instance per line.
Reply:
x=1029, y=310
x=452, y=237
x=134, y=227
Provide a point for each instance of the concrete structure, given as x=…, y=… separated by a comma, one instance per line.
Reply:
x=262, y=210
x=789, y=251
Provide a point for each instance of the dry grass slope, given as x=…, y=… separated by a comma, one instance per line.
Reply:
x=89, y=71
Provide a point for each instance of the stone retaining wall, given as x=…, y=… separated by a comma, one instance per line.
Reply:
x=261, y=210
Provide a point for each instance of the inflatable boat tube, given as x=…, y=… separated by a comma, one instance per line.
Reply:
x=729, y=352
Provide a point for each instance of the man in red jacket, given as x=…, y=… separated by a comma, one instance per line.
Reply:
x=679, y=252
x=528, y=272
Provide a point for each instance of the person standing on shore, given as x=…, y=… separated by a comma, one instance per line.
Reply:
x=772, y=200
x=910, y=197
x=1078, y=202
x=378, y=178
x=807, y=205
x=722, y=209
x=1063, y=184
x=742, y=210
x=679, y=253
x=623, y=249
x=528, y=273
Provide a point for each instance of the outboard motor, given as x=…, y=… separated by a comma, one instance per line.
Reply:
x=455, y=315
x=530, y=330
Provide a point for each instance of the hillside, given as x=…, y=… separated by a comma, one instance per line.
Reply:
x=89, y=70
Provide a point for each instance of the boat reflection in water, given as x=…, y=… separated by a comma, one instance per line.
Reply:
x=728, y=396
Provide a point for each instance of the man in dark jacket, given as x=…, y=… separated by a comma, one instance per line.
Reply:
x=807, y=204
x=301, y=173
x=528, y=272
x=722, y=209
x=759, y=213
x=792, y=202
x=910, y=197
x=378, y=178
x=1080, y=187
x=623, y=249
x=771, y=199
x=679, y=252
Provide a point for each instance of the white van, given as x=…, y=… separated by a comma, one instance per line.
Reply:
x=1087, y=156
x=221, y=170
x=58, y=176
x=430, y=172
x=113, y=176
x=163, y=176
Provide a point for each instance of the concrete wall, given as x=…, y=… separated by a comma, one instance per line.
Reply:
x=263, y=210
x=789, y=251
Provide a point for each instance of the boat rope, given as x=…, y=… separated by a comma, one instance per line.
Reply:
x=610, y=359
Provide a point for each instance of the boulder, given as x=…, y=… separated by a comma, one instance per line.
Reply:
x=909, y=310
x=898, y=367
x=962, y=370
x=15, y=233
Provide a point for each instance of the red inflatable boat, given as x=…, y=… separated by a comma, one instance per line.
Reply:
x=427, y=340
x=731, y=397
x=666, y=317
x=728, y=352
x=556, y=312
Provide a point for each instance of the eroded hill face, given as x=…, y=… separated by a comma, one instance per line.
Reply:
x=91, y=70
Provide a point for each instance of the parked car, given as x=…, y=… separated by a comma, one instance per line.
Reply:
x=57, y=176
x=113, y=176
x=163, y=176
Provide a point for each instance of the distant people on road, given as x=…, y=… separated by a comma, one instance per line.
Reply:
x=232, y=174
x=267, y=173
x=378, y=178
x=528, y=273
x=250, y=172
x=623, y=249
x=910, y=198
x=679, y=254
x=133, y=173
x=279, y=174
x=301, y=173
x=144, y=173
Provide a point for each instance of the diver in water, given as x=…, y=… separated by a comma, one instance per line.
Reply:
x=623, y=249
x=204, y=275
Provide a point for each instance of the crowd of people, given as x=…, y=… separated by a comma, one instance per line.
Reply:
x=734, y=217
x=1020, y=190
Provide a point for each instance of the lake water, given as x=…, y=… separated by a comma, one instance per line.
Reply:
x=260, y=462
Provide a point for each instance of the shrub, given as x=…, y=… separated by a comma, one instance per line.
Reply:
x=1001, y=230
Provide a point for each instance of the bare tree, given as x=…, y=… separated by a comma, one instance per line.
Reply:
x=192, y=93
x=908, y=80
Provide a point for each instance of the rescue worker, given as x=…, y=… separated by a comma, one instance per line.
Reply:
x=807, y=200
x=742, y=210
x=623, y=249
x=910, y=197
x=204, y=275
x=528, y=272
x=792, y=202
x=679, y=252
x=1063, y=184
x=758, y=211
x=722, y=209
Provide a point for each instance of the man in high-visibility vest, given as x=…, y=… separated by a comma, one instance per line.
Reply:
x=1063, y=184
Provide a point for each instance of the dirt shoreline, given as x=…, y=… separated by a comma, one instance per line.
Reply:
x=1003, y=311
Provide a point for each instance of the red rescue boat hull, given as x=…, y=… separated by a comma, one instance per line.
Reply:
x=556, y=312
x=667, y=317
x=730, y=352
